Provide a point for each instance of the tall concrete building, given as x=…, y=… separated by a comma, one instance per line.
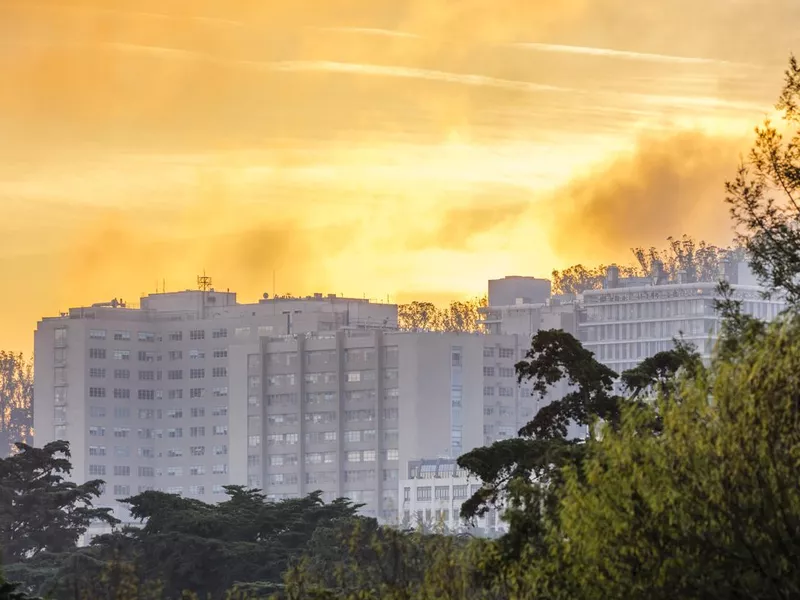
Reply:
x=144, y=395
x=633, y=319
x=342, y=412
x=192, y=391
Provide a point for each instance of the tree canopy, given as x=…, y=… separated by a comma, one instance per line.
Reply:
x=458, y=317
x=16, y=401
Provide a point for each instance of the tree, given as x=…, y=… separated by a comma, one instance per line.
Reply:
x=459, y=317
x=710, y=507
x=578, y=279
x=764, y=197
x=524, y=474
x=16, y=401
x=40, y=511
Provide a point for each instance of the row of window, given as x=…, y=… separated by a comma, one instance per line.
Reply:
x=501, y=371
x=489, y=352
x=175, y=432
x=122, y=412
x=288, y=379
x=125, y=393
x=123, y=336
x=288, y=359
x=460, y=492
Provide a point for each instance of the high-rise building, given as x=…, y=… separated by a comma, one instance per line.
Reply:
x=143, y=394
x=342, y=412
x=630, y=320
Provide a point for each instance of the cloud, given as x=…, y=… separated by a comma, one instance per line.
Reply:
x=667, y=186
x=622, y=54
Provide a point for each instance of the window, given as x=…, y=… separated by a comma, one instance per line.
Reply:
x=97, y=469
x=197, y=392
x=352, y=436
x=97, y=450
x=221, y=450
x=506, y=372
x=97, y=334
x=145, y=433
x=97, y=431
x=198, y=412
x=175, y=413
x=424, y=493
x=98, y=353
x=147, y=375
x=97, y=411
x=221, y=353
x=391, y=474
x=60, y=335
x=460, y=492
x=197, y=431
x=392, y=454
x=488, y=352
x=282, y=419
x=442, y=492
x=175, y=336
x=329, y=457
x=488, y=390
x=122, y=470
x=97, y=373
x=175, y=354
x=220, y=430
x=320, y=417
x=197, y=470
x=146, y=336
x=122, y=393
x=122, y=412
x=197, y=354
x=146, y=356
x=220, y=391
x=320, y=397
x=390, y=413
x=506, y=353
x=175, y=394
x=353, y=456
x=176, y=489
x=219, y=333
x=197, y=373
x=219, y=372
x=313, y=458
x=219, y=411
x=253, y=460
x=197, y=490
x=488, y=371
x=121, y=432
x=359, y=415
x=175, y=432
x=175, y=471
x=197, y=334
x=353, y=376
x=254, y=441
x=390, y=374
x=197, y=450
x=265, y=329
x=368, y=456
x=122, y=336
x=175, y=452
x=121, y=355
x=406, y=493
x=146, y=472
x=122, y=374
x=254, y=381
x=506, y=392
x=97, y=392
x=242, y=332
x=147, y=395
x=219, y=469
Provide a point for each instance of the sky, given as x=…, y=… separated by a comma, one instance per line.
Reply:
x=373, y=148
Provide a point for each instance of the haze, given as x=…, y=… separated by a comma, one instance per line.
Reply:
x=401, y=148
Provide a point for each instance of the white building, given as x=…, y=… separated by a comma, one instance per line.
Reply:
x=629, y=321
x=432, y=493
x=143, y=395
x=193, y=391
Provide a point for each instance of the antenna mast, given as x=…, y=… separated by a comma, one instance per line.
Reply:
x=203, y=282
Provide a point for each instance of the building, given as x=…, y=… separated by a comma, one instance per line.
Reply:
x=432, y=492
x=514, y=289
x=629, y=321
x=558, y=312
x=143, y=394
x=340, y=412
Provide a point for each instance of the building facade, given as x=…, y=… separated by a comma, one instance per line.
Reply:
x=143, y=394
x=623, y=324
x=431, y=494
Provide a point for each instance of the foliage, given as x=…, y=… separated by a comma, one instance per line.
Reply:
x=242, y=546
x=40, y=511
x=699, y=261
x=11, y=591
x=710, y=507
x=16, y=401
x=764, y=197
x=459, y=317
x=523, y=475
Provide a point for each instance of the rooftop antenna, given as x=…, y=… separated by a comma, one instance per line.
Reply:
x=204, y=282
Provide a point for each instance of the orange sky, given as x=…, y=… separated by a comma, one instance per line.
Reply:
x=410, y=148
